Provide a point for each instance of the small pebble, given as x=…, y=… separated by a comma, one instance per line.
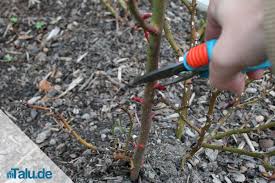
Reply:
x=61, y=148
x=216, y=179
x=41, y=137
x=224, y=112
x=73, y=155
x=251, y=90
x=86, y=116
x=151, y=175
x=250, y=165
x=88, y=152
x=103, y=137
x=34, y=114
x=238, y=177
x=261, y=180
x=272, y=93
x=259, y=118
x=261, y=169
x=41, y=57
x=76, y=111
x=243, y=169
x=172, y=116
x=266, y=143
x=52, y=93
x=93, y=128
x=202, y=120
x=52, y=142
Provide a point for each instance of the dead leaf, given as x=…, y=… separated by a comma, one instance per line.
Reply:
x=44, y=86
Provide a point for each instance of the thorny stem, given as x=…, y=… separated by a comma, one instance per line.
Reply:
x=170, y=38
x=187, y=84
x=109, y=8
x=239, y=151
x=153, y=57
x=123, y=4
x=243, y=130
x=268, y=166
x=201, y=31
x=72, y=132
x=187, y=5
x=132, y=5
x=60, y=118
x=130, y=129
x=204, y=129
x=184, y=112
x=221, y=122
x=237, y=105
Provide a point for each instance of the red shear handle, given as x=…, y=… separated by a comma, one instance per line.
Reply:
x=197, y=56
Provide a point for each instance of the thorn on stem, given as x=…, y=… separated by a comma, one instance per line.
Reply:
x=145, y=16
x=147, y=35
x=138, y=100
x=138, y=146
x=159, y=87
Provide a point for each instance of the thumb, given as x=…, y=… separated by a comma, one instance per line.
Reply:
x=225, y=67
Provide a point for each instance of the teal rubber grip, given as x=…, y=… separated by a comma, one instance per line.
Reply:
x=264, y=65
x=209, y=49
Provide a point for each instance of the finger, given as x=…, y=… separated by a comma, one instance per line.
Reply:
x=225, y=66
x=236, y=84
x=213, y=29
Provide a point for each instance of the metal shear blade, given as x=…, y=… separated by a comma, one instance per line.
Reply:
x=165, y=72
x=161, y=73
x=182, y=77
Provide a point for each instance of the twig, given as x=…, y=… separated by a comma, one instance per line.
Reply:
x=132, y=5
x=239, y=151
x=66, y=125
x=184, y=110
x=193, y=25
x=123, y=4
x=204, y=129
x=187, y=5
x=187, y=84
x=170, y=38
x=61, y=118
x=243, y=130
x=109, y=8
x=131, y=127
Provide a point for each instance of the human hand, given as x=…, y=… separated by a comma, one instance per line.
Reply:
x=238, y=26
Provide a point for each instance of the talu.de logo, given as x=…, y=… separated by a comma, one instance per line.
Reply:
x=16, y=173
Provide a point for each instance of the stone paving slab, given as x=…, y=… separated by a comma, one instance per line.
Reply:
x=18, y=151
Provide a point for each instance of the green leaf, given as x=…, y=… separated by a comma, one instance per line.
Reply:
x=8, y=58
x=40, y=25
x=13, y=19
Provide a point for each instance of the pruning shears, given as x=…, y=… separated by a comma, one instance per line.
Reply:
x=193, y=63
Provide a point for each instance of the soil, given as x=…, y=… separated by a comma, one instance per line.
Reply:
x=86, y=29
